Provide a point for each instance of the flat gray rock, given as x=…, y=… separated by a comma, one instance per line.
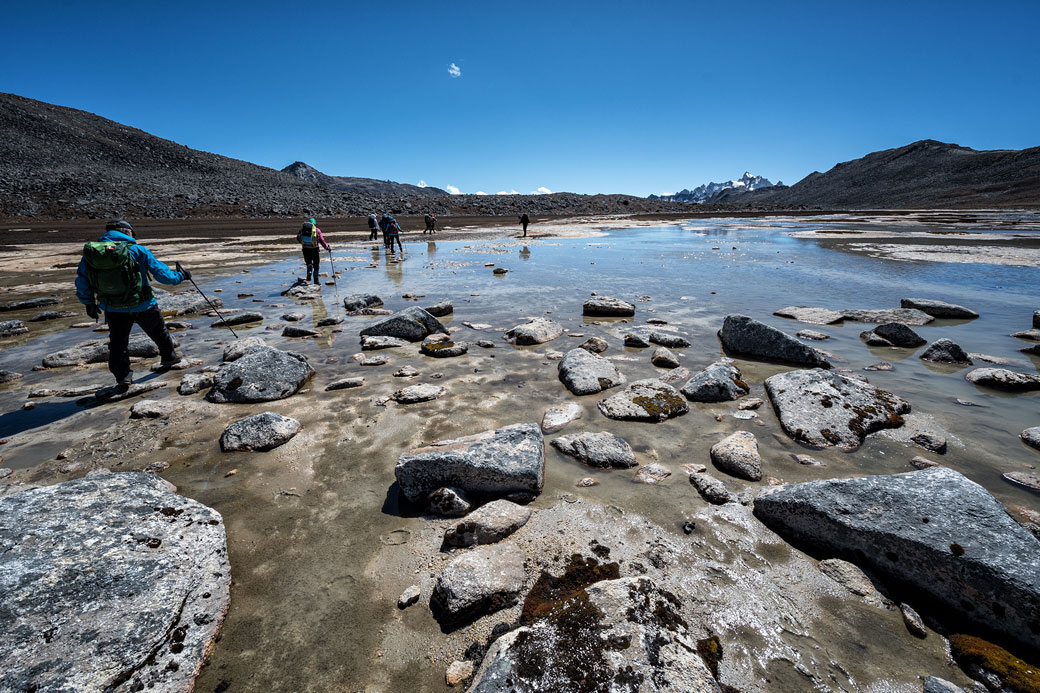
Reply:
x=652, y=473
x=605, y=306
x=293, y=317
x=1033, y=334
x=663, y=358
x=899, y=335
x=645, y=400
x=236, y=349
x=262, y=374
x=118, y=393
x=413, y=324
x=109, y=582
x=29, y=303
x=423, y=392
x=303, y=291
x=744, y=335
x=1024, y=479
x=48, y=315
x=194, y=382
x=933, y=684
x=96, y=351
x=615, y=635
x=183, y=302
x=822, y=409
x=449, y=502
x=556, y=417
x=535, y=331
x=946, y=351
x=355, y=303
x=153, y=408
x=873, y=339
x=597, y=449
x=12, y=328
x=488, y=524
x=369, y=343
x=442, y=346
x=243, y=318
x=675, y=376
x=8, y=376
x=812, y=334
x=710, y=488
x=297, y=331
x=1003, y=379
x=329, y=322
x=596, y=345
x=737, y=455
x=492, y=464
x=645, y=335
x=585, y=373
x=719, y=382
x=78, y=391
x=907, y=316
x=939, y=309
x=259, y=433
x=1031, y=437
x=813, y=316
x=969, y=551
x=441, y=309
x=481, y=581
x=345, y=384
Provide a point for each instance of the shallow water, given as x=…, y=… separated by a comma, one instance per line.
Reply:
x=306, y=520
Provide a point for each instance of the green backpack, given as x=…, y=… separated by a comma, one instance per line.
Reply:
x=114, y=275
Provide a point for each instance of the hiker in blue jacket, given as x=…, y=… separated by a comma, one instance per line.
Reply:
x=113, y=277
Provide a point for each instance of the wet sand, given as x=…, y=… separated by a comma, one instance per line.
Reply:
x=321, y=548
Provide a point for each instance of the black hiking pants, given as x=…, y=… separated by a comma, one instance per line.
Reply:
x=312, y=257
x=373, y=233
x=119, y=326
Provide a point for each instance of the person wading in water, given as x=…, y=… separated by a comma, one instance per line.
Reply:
x=310, y=237
x=524, y=221
x=113, y=277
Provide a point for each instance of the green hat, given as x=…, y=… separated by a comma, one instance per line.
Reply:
x=313, y=221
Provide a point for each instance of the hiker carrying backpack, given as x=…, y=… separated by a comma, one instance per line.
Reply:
x=113, y=277
x=309, y=237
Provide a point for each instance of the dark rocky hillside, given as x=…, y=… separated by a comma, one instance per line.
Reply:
x=925, y=174
x=63, y=163
x=364, y=186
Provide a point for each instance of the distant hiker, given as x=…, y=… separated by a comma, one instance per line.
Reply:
x=392, y=234
x=310, y=237
x=524, y=221
x=113, y=277
x=373, y=227
x=431, y=221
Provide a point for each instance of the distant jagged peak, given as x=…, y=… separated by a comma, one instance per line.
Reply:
x=703, y=193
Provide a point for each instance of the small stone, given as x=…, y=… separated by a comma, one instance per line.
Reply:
x=652, y=473
x=750, y=403
x=294, y=331
x=871, y=338
x=663, y=358
x=595, y=345
x=344, y=384
x=485, y=344
x=586, y=482
x=328, y=322
x=488, y=524
x=153, y=409
x=636, y=341
x=366, y=360
x=738, y=455
x=710, y=488
x=930, y=441
x=406, y=372
x=1026, y=479
x=556, y=417
x=808, y=460
x=293, y=317
x=259, y=433
x=442, y=346
x=813, y=335
x=458, y=673
x=1031, y=437
x=849, y=576
x=881, y=366
x=423, y=392
x=913, y=621
x=408, y=597
x=946, y=351
x=371, y=343
x=499, y=270
x=597, y=449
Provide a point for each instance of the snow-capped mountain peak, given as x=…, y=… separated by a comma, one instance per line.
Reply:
x=703, y=193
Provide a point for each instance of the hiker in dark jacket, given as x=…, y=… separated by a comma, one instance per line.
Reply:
x=392, y=234
x=524, y=221
x=373, y=227
x=310, y=237
x=93, y=285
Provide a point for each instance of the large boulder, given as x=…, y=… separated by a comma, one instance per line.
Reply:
x=939, y=309
x=535, y=331
x=945, y=350
x=822, y=409
x=109, y=582
x=813, y=316
x=597, y=449
x=744, y=335
x=413, y=324
x=585, y=373
x=357, y=303
x=183, y=302
x=1003, y=379
x=259, y=433
x=907, y=316
x=719, y=382
x=29, y=303
x=645, y=400
x=481, y=581
x=12, y=328
x=1031, y=437
x=96, y=351
x=899, y=335
x=626, y=634
x=932, y=531
x=509, y=460
x=607, y=307
x=261, y=374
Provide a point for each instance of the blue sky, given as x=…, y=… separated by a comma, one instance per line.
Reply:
x=584, y=97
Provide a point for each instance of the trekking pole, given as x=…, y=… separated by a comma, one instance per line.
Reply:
x=335, y=279
x=181, y=270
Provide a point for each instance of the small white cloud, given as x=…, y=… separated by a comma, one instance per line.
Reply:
x=422, y=184
x=454, y=70
x=480, y=192
x=542, y=191
x=452, y=189
x=504, y=192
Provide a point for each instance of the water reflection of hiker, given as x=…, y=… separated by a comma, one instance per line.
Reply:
x=524, y=221
x=113, y=276
x=310, y=237
x=525, y=253
x=431, y=248
x=392, y=234
x=373, y=227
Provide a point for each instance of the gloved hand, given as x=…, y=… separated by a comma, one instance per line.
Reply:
x=92, y=310
x=185, y=274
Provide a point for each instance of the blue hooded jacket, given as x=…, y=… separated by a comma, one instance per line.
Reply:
x=145, y=260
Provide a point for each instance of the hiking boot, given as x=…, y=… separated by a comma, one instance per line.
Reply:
x=126, y=381
x=316, y=280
